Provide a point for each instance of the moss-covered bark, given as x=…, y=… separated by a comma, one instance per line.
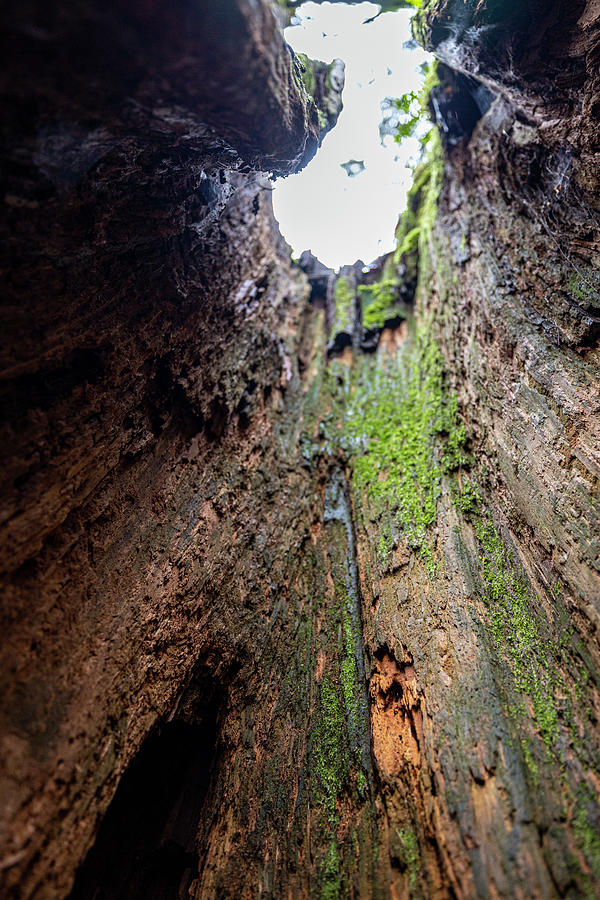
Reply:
x=363, y=585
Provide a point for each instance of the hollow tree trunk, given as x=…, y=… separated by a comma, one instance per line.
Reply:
x=281, y=616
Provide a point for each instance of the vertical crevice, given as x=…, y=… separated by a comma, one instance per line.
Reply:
x=338, y=509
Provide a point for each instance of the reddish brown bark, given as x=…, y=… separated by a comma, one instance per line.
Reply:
x=227, y=670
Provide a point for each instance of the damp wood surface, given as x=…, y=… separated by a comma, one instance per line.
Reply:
x=300, y=572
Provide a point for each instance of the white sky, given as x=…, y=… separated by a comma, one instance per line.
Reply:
x=343, y=219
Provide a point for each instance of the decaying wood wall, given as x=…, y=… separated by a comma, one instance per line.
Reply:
x=281, y=616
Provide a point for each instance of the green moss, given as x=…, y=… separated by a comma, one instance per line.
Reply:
x=516, y=629
x=420, y=25
x=335, y=746
x=412, y=857
x=400, y=426
x=344, y=304
x=585, y=828
x=410, y=242
x=536, y=692
x=329, y=751
x=380, y=302
x=388, y=5
x=307, y=73
x=303, y=72
x=416, y=223
x=530, y=762
x=385, y=544
x=330, y=876
x=429, y=206
x=467, y=499
x=349, y=672
x=361, y=784
x=516, y=626
x=583, y=289
x=432, y=80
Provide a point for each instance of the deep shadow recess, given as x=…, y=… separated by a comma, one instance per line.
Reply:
x=146, y=848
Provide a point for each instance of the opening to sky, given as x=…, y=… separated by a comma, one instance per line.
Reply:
x=340, y=217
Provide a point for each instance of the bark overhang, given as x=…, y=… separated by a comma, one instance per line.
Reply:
x=540, y=58
x=157, y=69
